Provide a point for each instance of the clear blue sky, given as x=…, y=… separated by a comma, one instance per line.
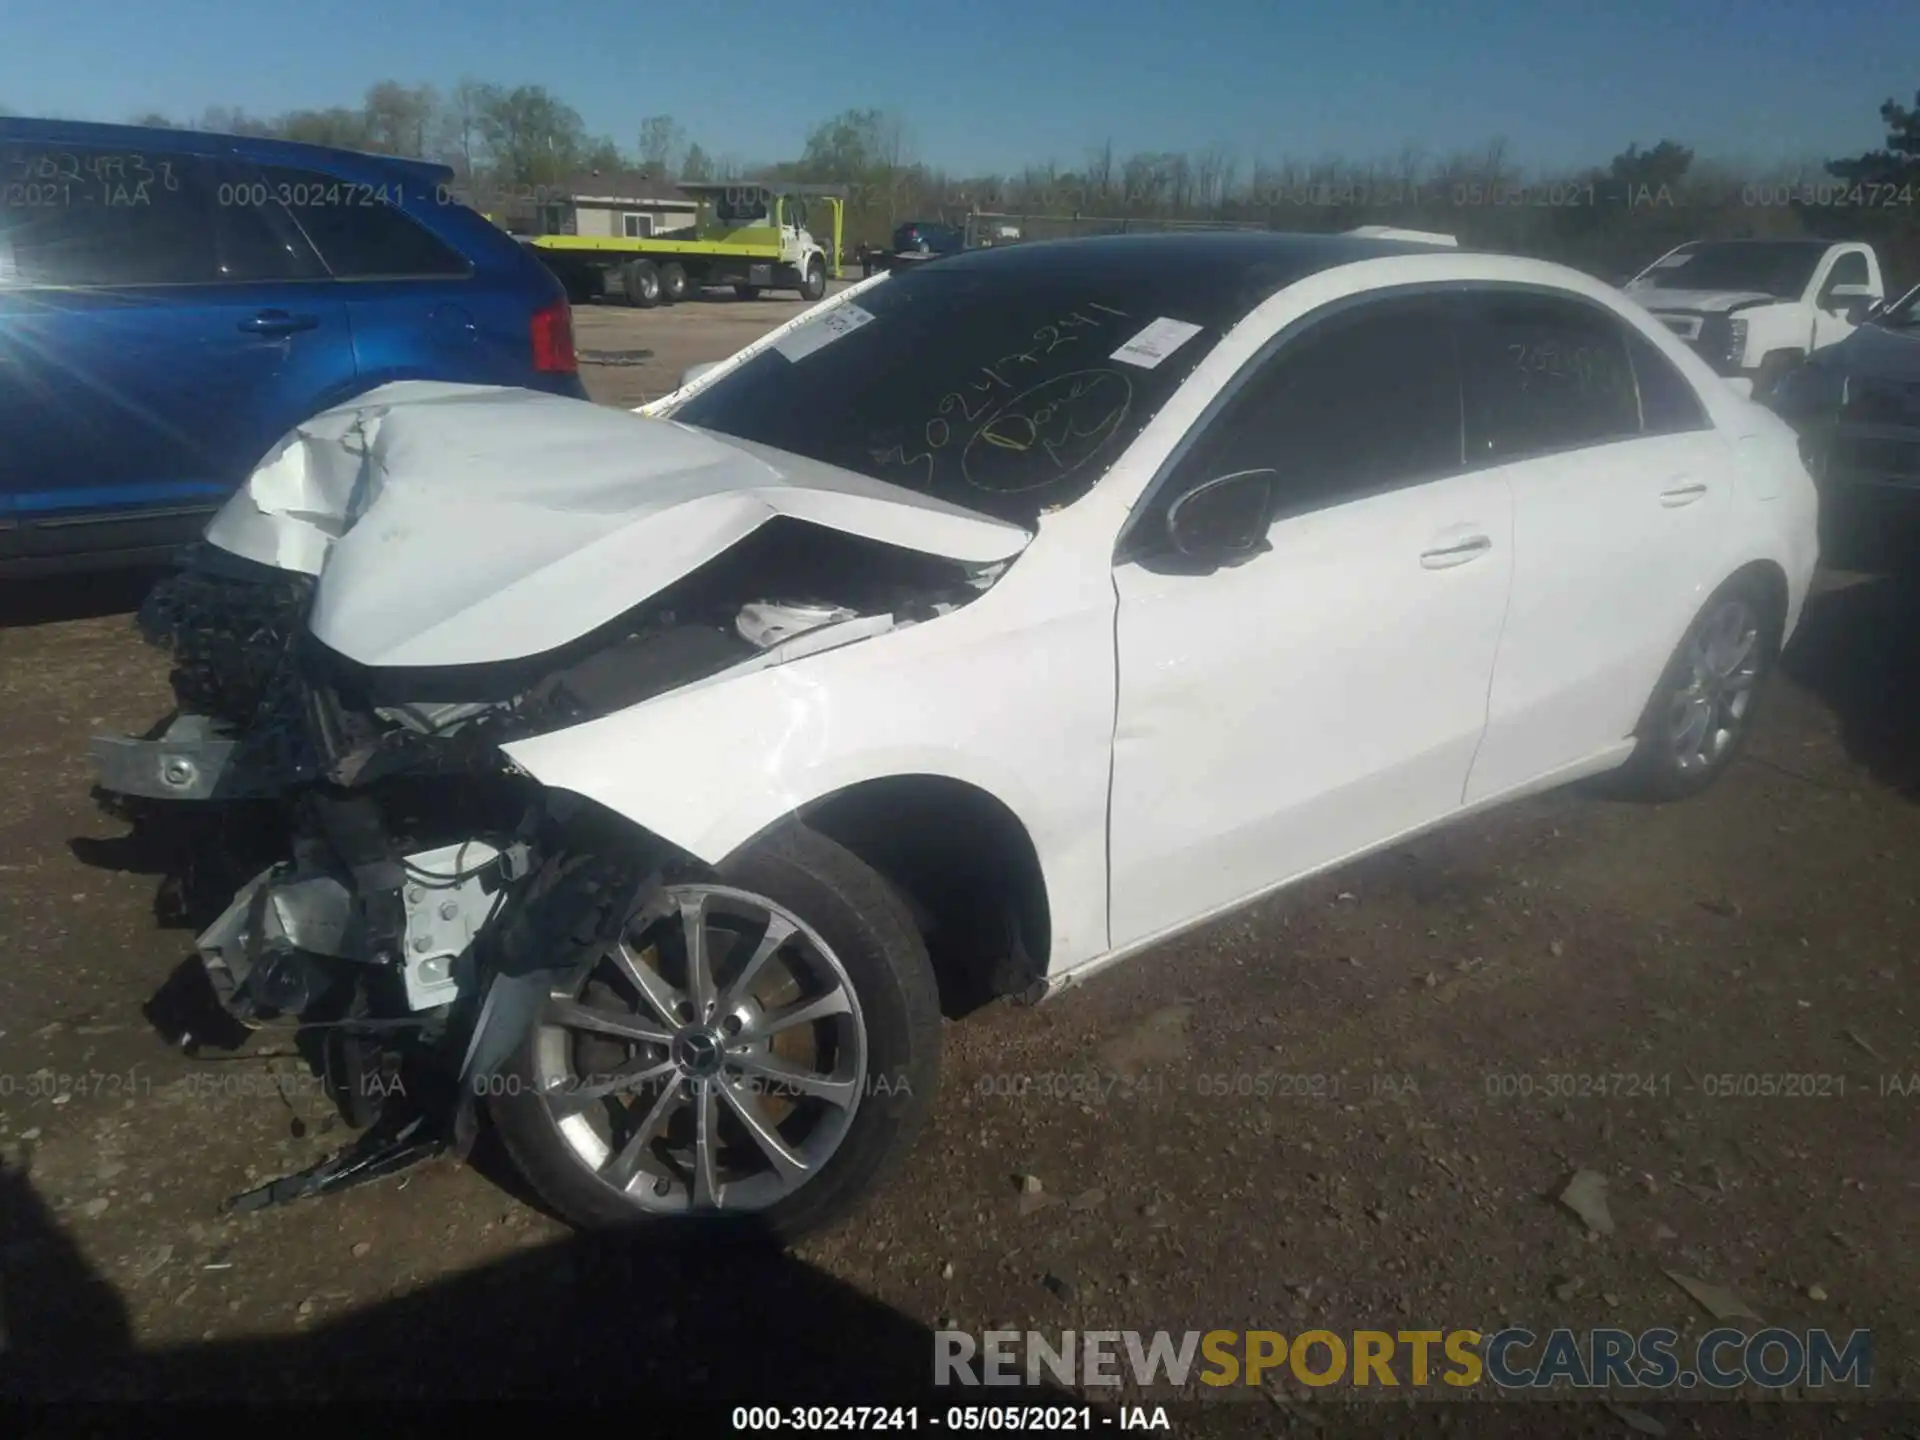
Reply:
x=993, y=84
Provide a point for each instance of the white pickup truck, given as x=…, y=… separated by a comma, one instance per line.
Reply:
x=1754, y=309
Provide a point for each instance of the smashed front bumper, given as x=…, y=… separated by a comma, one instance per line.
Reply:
x=228, y=626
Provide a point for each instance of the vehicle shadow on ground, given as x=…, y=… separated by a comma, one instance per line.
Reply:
x=1858, y=647
x=651, y=1326
x=73, y=597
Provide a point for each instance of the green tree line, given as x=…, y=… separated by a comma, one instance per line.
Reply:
x=1605, y=218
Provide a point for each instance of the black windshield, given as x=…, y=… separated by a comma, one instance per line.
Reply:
x=990, y=379
x=1901, y=313
x=1767, y=267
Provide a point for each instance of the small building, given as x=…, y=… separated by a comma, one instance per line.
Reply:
x=609, y=205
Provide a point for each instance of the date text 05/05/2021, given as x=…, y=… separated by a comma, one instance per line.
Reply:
x=988, y=1419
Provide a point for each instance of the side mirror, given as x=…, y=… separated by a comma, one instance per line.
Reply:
x=1224, y=521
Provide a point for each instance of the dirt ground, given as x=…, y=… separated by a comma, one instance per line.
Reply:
x=1351, y=1107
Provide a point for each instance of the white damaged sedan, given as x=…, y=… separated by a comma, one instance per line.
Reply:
x=664, y=776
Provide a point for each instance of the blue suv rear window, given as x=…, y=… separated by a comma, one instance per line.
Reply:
x=356, y=228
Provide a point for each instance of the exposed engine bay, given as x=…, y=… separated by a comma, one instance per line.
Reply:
x=405, y=837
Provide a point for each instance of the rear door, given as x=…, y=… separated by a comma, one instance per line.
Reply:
x=418, y=308
x=1620, y=500
x=154, y=339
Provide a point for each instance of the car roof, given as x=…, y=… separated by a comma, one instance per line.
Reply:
x=16, y=130
x=1215, y=276
x=1808, y=242
x=1194, y=250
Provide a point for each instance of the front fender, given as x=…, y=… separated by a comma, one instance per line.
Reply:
x=1029, y=721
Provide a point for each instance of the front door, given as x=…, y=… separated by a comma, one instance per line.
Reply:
x=1328, y=694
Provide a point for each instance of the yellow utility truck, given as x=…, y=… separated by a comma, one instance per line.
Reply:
x=752, y=235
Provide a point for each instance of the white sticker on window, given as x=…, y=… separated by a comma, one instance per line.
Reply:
x=816, y=334
x=1156, y=342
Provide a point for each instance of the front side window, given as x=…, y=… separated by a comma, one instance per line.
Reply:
x=1005, y=382
x=88, y=216
x=358, y=231
x=255, y=237
x=1543, y=374
x=1363, y=401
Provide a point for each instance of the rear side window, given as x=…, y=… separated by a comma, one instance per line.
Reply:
x=1544, y=374
x=256, y=238
x=1668, y=404
x=1364, y=401
x=79, y=216
x=357, y=229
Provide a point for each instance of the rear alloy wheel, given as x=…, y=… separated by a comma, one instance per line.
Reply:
x=753, y=1049
x=642, y=282
x=1702, y=711
x=673, y=282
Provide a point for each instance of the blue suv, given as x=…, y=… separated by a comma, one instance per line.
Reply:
x=171, y=303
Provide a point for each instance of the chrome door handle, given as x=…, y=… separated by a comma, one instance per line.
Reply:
x=1447, y=556
x=1678, y=495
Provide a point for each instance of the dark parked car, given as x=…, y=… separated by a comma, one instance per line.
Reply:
x=1857, y=406
x=172, y=303
x=915, y=241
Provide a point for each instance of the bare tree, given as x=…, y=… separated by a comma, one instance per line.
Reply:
x=698, y=165
x=532, y=136
x=462, y=131
x=401, y=119
x=661, y=143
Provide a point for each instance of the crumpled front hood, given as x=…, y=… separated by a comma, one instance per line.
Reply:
x=1711, y=302
x=465, y=524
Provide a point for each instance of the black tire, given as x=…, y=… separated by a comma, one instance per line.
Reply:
x=870, y=930
x=813, y=280
x=673, y=282
x=1662, y=767
x=642, y=282
x=748, y=292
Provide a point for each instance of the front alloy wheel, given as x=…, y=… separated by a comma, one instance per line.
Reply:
x=711, y=1058
x=753, y=1048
